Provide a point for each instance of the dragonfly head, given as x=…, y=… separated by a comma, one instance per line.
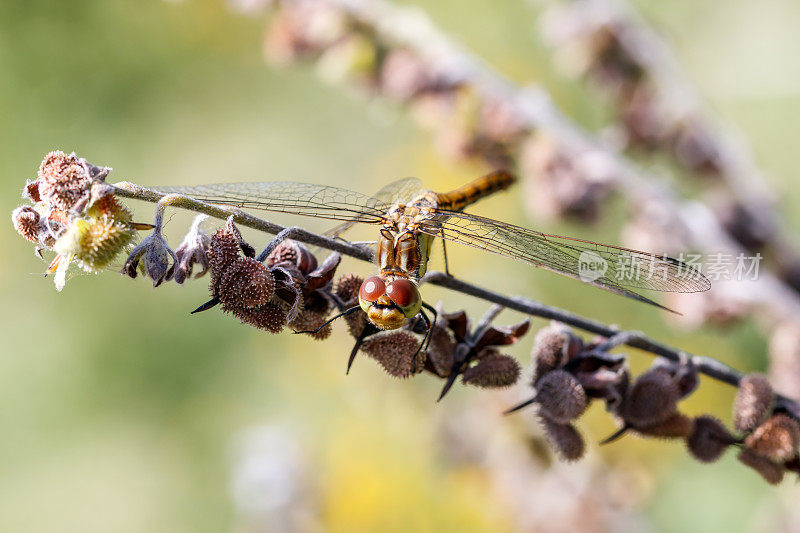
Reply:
x=389, y=304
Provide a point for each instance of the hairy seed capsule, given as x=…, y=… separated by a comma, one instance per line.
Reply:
x=754, y=401
x=347, y=287
x=709, y=439
x=63, y=181
x=561, y=397
x=492, y=371
x=224, y=250
x=651, y=400
x=565, y=439
x=778, y=438
x=395, y=351
x=771, y=472
x=551, y=348
x=678, y=426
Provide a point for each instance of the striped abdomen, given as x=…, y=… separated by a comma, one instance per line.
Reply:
x=458, y=199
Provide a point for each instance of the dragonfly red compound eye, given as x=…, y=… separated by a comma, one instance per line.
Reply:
x=402, y=292
x=371, y=289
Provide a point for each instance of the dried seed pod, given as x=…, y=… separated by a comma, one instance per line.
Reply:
x=396, y=351
x=347, y=287
x=246, y=283
x=290, y=251
x=270, y=317
x=561, y=397
x=754, y=401
x=676, y=426
x=709, y=439
x=652, y=399
x=492, y=371
x=777, y=439
x=27, y=222
x=685, y=374
x=223, y=251
x=566, y=440
x=770, y=471
x=310, y=321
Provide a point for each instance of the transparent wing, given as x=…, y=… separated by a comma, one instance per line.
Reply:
x=307, y=199
x=609, y=267
x=401, y=190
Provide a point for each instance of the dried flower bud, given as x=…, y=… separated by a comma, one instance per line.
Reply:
x=754, y=401
x=566, y=440
x=709, y=439
x=678, y=426
x=652, y=399
x=193, y=250
x=246, y=283
x=28, y=223
x=492, y=371
x=155, y=254
x=771, y=472
x=777, y=439
x=553, y=345
x=561, y=397
x=63, y=181
x=396, y=351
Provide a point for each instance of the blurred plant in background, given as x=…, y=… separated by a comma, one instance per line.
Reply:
x=184, y=396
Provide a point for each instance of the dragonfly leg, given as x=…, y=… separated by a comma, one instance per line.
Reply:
x=368, y=330
x=340, y=315
x=444, y=251
x=428, y=330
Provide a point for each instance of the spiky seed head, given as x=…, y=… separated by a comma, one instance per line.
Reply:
x=441, y=350
x=290, y=251
x=246, y=283
x=27, y=222
x=108, y=206
x=561, y=397
x=770, y=471
x=754, y=401
x=270, y=317
x=395, y=350
x=63, y=181
x=308, y=320
x=652, y=399
x=492, y=371
x=677, y=426
x=347, y=287
x=778, y=438
x=223, y=251
x=565, y=439
x=709, y=439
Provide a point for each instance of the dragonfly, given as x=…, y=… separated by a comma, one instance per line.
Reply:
x=409, y=217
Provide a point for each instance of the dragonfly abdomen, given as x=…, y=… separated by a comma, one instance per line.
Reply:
x=468, y=194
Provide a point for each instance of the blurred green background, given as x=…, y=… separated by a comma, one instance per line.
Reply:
x=120, y=412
